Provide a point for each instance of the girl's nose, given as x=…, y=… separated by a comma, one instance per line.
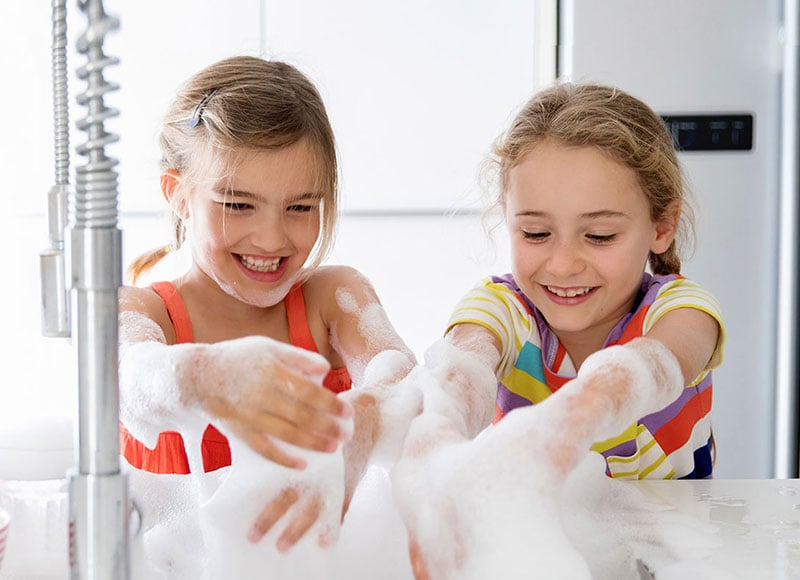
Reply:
x=268, y=232
x=565, y=260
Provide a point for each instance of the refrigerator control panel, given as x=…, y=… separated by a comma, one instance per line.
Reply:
x=711, y=132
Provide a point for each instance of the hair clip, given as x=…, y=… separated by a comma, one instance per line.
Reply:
x=197, y=115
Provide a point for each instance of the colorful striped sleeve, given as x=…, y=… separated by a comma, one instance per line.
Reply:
x=496, y=308
x=683, y=293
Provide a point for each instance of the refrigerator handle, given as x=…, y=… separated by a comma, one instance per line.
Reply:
x=787, y=450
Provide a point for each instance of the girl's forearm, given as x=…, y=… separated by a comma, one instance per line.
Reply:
x=157, y=392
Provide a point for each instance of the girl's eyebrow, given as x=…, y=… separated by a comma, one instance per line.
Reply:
x=310, y=196
x=603, y=213
x=530, y=213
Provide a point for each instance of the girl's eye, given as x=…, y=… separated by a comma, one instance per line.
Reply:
x=301, y=208
x=535, y=236
x=236, y=206
x=598, y=239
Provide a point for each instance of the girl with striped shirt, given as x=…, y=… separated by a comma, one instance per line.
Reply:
x=592, y=193
x=593, y=340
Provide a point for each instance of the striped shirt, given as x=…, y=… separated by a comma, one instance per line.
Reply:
x=672, y=443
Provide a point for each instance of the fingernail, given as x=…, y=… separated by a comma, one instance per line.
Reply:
x=283, y=545
x=254, y=535
x=300, y=464
x=331, y=446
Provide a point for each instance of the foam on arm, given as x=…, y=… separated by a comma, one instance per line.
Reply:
x=464, y=372
x=151, y=377
x=619, y=384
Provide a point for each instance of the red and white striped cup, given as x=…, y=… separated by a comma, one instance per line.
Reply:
x=5, y=522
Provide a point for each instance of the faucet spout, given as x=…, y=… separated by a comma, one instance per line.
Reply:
x=99, y=507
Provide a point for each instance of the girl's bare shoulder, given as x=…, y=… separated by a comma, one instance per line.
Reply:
x=145, y=301
x=330, y=281
x=139, y=299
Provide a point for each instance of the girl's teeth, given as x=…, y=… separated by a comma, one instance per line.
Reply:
x=260, y=265
x=569, y=293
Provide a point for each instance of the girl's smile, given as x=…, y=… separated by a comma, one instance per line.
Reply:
x=569, y=296
x=262, y=269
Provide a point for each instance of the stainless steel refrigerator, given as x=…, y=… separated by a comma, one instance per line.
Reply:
x=724, y=76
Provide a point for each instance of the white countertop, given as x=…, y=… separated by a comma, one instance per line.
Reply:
x=753, y=528
x=757, y=522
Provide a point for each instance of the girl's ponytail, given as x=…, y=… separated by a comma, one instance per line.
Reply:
x=149, y=259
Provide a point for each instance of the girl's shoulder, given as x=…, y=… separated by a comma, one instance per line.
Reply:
x=336, y=297
x=146, y=301
x=337, y=277
x=336, y=290
x=140, y=299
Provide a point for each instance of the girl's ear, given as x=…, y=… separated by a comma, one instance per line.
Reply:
x=170, y=180
x=667, y=228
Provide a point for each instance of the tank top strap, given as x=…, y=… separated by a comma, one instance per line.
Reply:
x=337, y=380
x=299, y=332
x=176, y=308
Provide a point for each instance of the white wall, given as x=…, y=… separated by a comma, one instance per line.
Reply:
x=417, y=90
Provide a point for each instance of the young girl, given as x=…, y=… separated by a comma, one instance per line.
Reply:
x=585, y=345
x=255, y=337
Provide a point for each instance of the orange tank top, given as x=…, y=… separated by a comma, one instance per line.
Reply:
x=169, y=454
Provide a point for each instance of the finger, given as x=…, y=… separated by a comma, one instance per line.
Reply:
x=310, y=419
x=273, y=512
x=264, y=431
x=300, y=524
x=418, y=567
x=262, y=445
x=314, y=395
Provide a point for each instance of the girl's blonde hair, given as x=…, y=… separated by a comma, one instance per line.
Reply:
x=237, y=105
x=620, y=125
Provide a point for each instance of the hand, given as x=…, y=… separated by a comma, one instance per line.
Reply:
x=264, y=390
x=380, y=415
x=307, y=511
x=257, y=498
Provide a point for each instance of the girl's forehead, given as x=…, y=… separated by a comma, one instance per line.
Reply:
x=296, y=167
x=551, y=164
x=554, y=178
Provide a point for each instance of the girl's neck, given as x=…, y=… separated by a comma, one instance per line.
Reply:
x=579, y=345
x=216, y=315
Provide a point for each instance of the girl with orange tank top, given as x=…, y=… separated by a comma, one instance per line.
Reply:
x=256, y=337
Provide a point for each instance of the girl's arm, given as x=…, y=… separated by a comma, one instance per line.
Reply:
x=377, y=359
x=359, y=328
x=634, y=379
x=691, y=335
x=259, y=388
x=469, y=370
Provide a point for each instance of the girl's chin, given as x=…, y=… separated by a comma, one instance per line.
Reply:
x=263, y=297
x=259, y=299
